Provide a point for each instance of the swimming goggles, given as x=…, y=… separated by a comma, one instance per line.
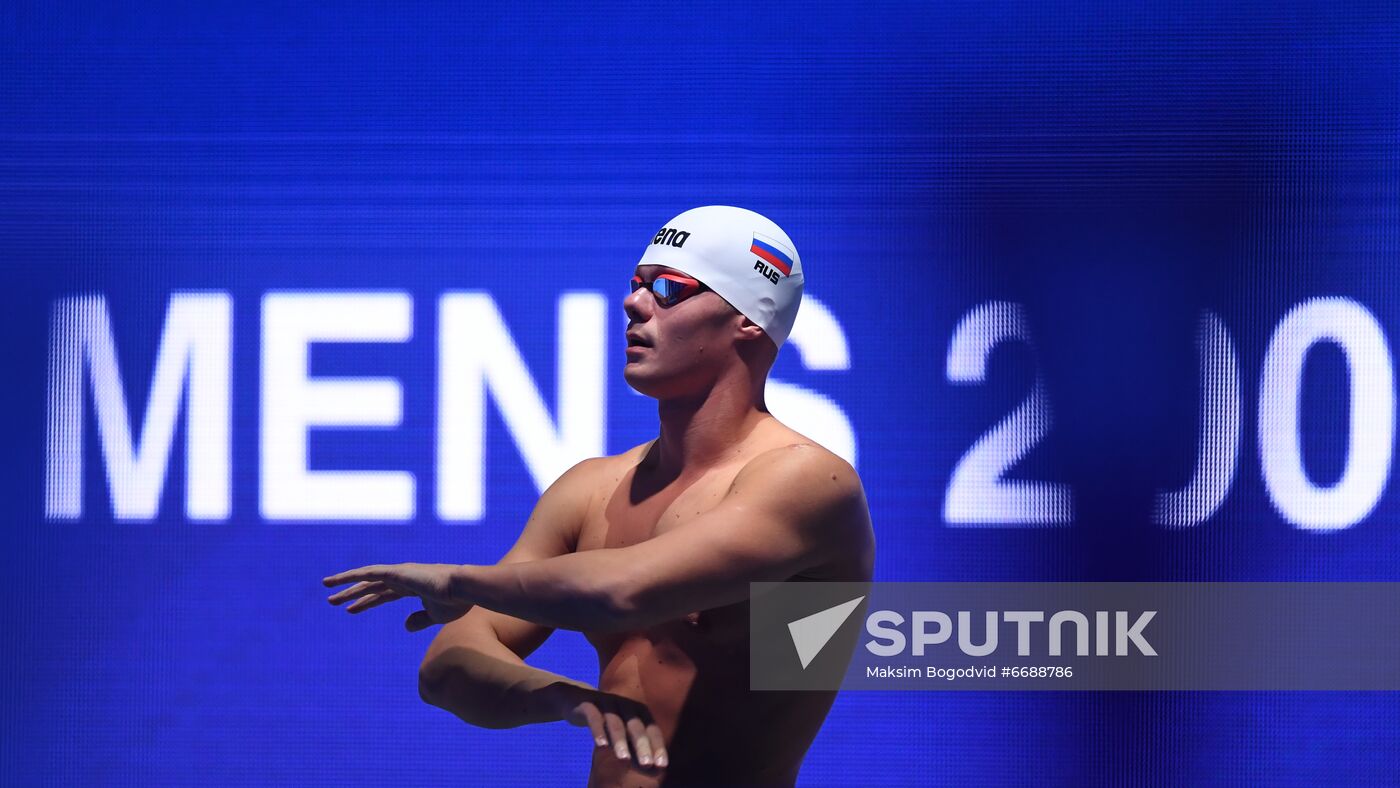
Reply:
x=670, y=289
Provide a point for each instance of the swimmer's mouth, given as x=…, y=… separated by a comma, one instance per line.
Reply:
x=635, y=340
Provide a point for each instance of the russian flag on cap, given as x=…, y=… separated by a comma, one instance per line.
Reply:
x=773, y=252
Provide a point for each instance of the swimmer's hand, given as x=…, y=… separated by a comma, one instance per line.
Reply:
x=622, y=724
x=381, y=583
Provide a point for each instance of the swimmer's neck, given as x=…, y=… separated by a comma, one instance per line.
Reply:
x=700, y=432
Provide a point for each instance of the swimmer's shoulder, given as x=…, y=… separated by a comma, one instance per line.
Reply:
x=588, y=476
x=821, y=496
x=781, y=449
x=802, y=468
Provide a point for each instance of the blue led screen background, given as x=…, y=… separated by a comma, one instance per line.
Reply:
x=1100, y=291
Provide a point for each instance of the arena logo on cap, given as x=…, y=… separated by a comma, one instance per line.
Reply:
x=770, y=252
x=670, y=237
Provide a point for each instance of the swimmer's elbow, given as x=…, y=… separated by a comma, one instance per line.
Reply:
x=620, y=614
x=607, y=607
x=452, y=688
x=627, y=602
x=432, y=684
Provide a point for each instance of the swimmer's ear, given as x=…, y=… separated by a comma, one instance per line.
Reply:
x=749, y=330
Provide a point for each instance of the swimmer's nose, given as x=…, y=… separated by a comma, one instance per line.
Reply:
x=639, y=306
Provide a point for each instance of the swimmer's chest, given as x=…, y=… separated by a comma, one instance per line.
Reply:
x=623, y=518
x=629, y=513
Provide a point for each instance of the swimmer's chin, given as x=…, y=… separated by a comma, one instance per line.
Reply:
x=638, y=382
x=646, y=385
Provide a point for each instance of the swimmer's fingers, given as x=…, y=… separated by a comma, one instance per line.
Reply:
x=641, y=741
x=586, y=714
x=617, y=734
x=362, y=589
x=658, y=745
x=371, y=572
x=359, y=591
x=366, y=594
x=373, y=600
x=623, y=724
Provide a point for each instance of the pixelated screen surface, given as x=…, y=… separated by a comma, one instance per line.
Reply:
x=1093, y=292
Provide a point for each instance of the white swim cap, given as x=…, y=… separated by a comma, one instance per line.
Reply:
x=739, y=254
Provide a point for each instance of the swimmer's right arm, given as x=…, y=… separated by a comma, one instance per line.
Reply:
x=483, y=687
x=475, y=666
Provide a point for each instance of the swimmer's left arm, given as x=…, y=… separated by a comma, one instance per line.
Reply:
x=788, y=511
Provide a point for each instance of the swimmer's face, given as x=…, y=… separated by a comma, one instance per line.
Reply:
x=677, y=350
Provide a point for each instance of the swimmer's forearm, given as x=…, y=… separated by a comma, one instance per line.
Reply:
x=576, y=591
x=493, y=692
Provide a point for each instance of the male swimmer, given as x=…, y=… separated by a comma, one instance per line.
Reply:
x=650, y=553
